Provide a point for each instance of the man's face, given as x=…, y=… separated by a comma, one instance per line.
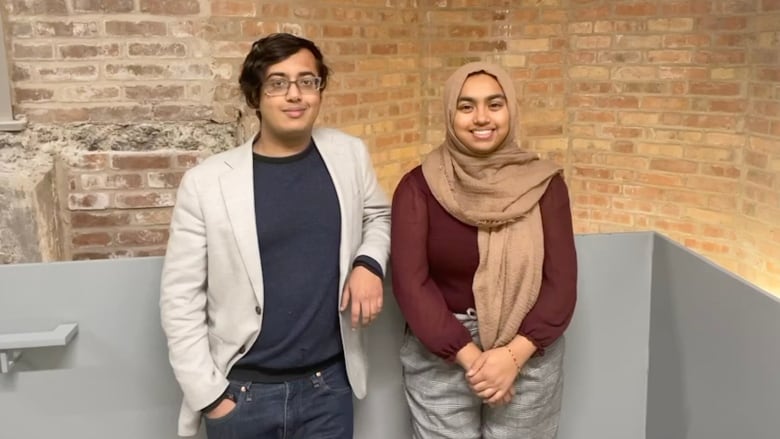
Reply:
x=290, y=115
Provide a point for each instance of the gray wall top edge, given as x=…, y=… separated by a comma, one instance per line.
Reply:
x=712, y=264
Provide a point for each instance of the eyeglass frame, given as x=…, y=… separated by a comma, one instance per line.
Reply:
x=317, y=81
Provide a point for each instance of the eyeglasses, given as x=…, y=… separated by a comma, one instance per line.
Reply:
x=279, y=86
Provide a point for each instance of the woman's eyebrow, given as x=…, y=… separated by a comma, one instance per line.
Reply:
x=489, y=98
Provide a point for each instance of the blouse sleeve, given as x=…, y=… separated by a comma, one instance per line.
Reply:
x=419, y=297
x=554, y=307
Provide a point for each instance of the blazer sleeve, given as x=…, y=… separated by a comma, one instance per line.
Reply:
x=183, y=301
x=376, y=213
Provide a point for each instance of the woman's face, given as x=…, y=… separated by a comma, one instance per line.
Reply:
x=481, y=115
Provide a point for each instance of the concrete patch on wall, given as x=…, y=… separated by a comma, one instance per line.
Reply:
x=194, y=136
x=32, y=226
x=19, y=240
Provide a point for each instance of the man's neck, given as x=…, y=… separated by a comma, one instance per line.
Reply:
x=273, y=147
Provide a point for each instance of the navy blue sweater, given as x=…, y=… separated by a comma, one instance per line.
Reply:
x=299, y=230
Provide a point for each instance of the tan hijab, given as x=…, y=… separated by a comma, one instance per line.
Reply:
x=499, y=194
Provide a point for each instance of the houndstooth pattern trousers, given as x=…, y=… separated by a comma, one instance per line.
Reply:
x=443, y=406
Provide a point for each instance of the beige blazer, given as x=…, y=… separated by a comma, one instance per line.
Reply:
x=212, y=281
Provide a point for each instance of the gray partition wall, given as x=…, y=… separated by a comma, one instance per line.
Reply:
x=714, y=352
x=663, y=345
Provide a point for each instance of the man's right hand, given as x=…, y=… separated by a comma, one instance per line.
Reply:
x=222, y=409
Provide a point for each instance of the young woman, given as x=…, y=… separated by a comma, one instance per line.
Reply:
x=485, y=272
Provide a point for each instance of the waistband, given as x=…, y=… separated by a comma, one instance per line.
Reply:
x=273, y=376
x=470, y=314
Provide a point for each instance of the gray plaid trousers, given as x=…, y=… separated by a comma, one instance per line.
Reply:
x=442, y=405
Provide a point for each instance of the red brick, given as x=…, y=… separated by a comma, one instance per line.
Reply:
x=600, y=173
x=721, y=23
x=145, y=237
x=90, y=161
x=685, y=7
x=635, y=9
x=725, y=106
x=111, y=181
x=21, y=30
x=617, y=102
x=487, y=46
x=79, y=220
x=715, y=88
x=66, y=29
x=761, y=178
x=157, y=49
x=688, y=41
x=136, y=28
x=152, y=217
x=135, y=71
x=33, y=51
x=271, y=10
x=90, y=239
x=594, y=116
x=88, y=201
x=543, y=130
x=103, y=6
x=232, y=8
x=756, y=159
x=164, y=180
x=140, y=161
x=125, y=113
x=33, y=94
x=622, y=132
x=769, y=75
x=71, y=73
x=89, y=51
x=337, y=31
x=468, y=31
x=660, y=179
x=40, y=7
x=677, y=166
x=719, y=57
x=182, y=112
x=144, y=200
x=155, y=92
x=727, y=171
x=170, y=7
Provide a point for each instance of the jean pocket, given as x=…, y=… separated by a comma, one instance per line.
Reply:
x=332, y=379
x=237, y=393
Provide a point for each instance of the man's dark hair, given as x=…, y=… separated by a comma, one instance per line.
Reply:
x=268, y=51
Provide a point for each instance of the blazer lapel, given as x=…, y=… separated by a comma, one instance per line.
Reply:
x=238, y=192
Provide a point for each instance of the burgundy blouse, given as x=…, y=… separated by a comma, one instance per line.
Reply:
x=434, y=257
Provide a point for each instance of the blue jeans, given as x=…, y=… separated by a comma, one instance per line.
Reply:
x=318, y=406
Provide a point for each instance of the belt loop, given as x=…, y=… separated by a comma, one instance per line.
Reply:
x=247, y=389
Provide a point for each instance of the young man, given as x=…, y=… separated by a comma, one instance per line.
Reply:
x=269, y=242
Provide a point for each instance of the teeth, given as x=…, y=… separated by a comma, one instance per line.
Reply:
x=482, y=133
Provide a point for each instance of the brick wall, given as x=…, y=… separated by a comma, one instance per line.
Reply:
x=663, y=113
x=759, y=230
x=664, y=98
